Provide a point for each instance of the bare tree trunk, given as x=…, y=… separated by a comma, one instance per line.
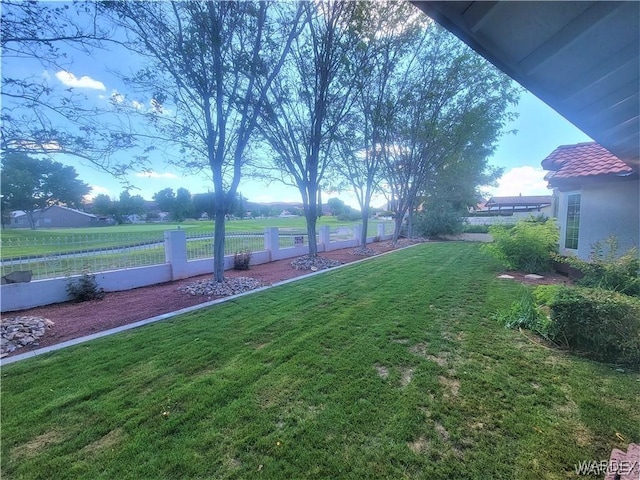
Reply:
x=218, y=245
x=311, y=212
x=410, y=223
x=311, y=231
x=365, y=226
x=397, y=227
x=31, y=219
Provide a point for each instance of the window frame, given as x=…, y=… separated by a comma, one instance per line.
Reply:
x=572, y=221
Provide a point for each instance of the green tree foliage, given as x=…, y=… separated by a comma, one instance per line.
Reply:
x=204, y=203
x=439, y=219
x=389, y=34
x=34, y=185
x=183, y=206
x=309, y=100
x=207, y=66
x=128, y=205
x=180, y=205
x=453, y=106
x=103, y=205
x=336, y=206
x=40, y=116
x=165, y=199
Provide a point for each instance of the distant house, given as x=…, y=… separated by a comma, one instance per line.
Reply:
x=598, y=196
x=54, y=217
x=136, y=218
x=521, y=204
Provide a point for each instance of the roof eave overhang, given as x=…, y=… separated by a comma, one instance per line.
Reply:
x=599, y=95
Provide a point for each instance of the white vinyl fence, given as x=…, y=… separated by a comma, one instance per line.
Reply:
x=157, y=260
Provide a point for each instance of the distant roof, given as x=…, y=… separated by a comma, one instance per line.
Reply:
x=520, y=200
x=20, y=213
x=583, y=160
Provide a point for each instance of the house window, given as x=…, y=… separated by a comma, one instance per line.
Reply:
x=573, y=221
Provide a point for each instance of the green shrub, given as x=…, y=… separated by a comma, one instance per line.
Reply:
x=475, y=228
x=608, y=271
x=443, y=220
x=545, y=294
x=529, y=245
x=241, y=260
x=84, y=288
x=527, y=313
x=349, y=216
x=603, y=324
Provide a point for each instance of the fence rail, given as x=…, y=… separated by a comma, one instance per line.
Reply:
x=53, y=257
x=66, y=255
x=175, y=258
x=201, y=245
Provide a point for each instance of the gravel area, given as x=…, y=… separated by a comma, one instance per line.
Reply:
x=230, y=286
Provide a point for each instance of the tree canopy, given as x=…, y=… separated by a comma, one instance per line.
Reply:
x=368, y=95
x=208, y=68
x=32, y=185
x=309, y=100
x=38, y=115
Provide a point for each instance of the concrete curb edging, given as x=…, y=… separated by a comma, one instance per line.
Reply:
x=165, y=316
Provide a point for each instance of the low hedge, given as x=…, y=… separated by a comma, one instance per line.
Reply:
x=603, y=324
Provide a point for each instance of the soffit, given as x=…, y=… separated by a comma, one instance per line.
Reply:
x=581, y=58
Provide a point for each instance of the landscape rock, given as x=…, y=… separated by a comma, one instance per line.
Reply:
x=363, y=252
x=230, y=286
x=18, y=332
x=19, y=276
x=314, y=263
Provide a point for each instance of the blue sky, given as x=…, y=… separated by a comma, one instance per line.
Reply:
x=539, y=131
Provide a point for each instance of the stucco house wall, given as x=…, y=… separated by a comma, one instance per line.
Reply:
x=607, y=208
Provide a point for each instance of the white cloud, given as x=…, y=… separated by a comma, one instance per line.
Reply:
x=137, y=105
x=152, y=174
x=117, y=97
x=521, y=180
x=70, y=80
x=43, y=147
x=95, y=191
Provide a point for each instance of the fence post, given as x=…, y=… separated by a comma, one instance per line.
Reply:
x=325, y=236
x=175, y=253
x=380, y=231
x=271, y=241
x=357, y=231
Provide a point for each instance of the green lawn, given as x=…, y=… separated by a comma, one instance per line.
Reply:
x=391, y=368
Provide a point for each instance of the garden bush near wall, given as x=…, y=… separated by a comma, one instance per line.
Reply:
x=84, y=288
x=603, y=324
x=593, y=322
x=606, y=270
x=529, y=245
x=242, y=259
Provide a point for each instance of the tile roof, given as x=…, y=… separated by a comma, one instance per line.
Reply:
x=583, y=160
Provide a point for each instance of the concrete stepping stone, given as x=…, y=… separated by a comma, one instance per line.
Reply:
x=533, y=276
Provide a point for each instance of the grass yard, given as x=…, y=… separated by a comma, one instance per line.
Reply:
x=391, y=368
